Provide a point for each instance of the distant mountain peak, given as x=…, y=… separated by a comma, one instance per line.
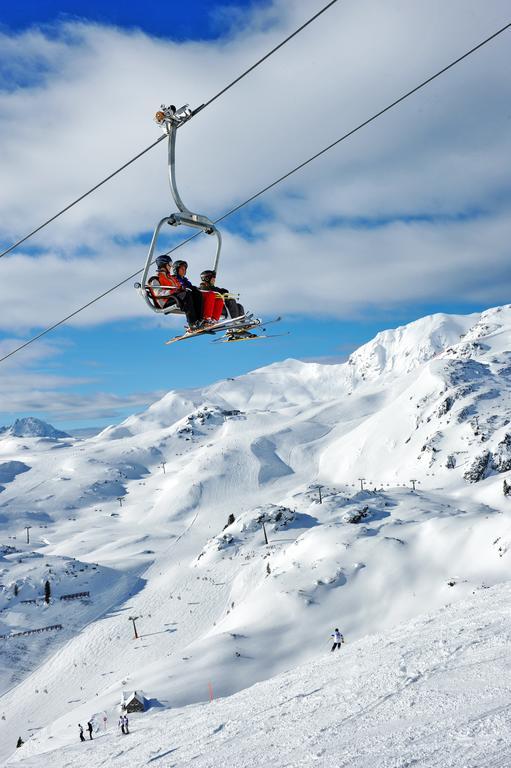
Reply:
x=32, y=427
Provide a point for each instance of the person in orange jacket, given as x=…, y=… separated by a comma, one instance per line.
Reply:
x=167, y=289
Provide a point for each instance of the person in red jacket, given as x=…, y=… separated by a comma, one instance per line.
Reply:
x=167, y=289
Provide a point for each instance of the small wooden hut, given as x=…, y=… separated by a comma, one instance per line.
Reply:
x=133, y=701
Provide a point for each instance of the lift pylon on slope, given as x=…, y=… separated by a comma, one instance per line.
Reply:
x=170, y=119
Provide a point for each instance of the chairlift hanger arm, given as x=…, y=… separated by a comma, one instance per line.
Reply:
x=170, y=119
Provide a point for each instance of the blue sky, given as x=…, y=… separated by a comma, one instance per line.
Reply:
x=193, y=19
x=407, y=218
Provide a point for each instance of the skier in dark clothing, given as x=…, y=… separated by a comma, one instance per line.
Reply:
x=235, y=309
x=82, y=737
x=338, y=639
x=179, y=268
x=19, y=743
x=208, y=278
x=89, y=728
x=179, y=273
x=126, y=729
x=211, y=301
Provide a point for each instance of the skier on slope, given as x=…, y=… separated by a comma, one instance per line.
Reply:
x=173, y=292
x=89, y=728
x=338, y=639
x=212, y=303
x=121, y=723
x=82, y=737
x=126, y=723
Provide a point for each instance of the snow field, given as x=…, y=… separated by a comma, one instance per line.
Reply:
x=434, y=692
x=218, y=605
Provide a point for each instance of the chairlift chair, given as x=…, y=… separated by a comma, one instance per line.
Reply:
x=170, y=119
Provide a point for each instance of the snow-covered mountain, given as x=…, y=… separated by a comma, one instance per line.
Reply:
x=163, y=517
x=32, y=427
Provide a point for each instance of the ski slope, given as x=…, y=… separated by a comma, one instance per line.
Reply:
x=138, y=516
x=433, y=692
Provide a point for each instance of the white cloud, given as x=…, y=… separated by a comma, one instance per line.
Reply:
x=345, y=271
x=93, y=91
x=26, y=389
x=93, y=407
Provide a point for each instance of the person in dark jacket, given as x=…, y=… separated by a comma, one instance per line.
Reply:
x=212, y=302
x=208, y=279
x=235, y=309
x=89, y=728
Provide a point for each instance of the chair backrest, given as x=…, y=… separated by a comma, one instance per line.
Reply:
x=161, y=296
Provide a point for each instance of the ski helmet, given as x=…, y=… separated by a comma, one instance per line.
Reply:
x=207, y=275
x=163, y=261
x=177, y=264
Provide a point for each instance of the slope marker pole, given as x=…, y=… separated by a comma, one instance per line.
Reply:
x=134, y=619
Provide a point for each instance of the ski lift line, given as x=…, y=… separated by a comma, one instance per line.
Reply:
x=361, y=125
x=89, y=303
x=82, y=197
x=263, y=58
x=366, y=122
x=265, y=189
x=151, y=146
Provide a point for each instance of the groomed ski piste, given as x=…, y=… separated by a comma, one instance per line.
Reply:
x=138, y=517
x=433, y=692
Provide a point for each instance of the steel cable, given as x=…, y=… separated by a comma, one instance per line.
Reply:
x=270, y=186
x=151, y=146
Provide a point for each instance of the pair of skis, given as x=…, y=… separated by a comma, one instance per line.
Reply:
x=233, y=329
x=245, y=335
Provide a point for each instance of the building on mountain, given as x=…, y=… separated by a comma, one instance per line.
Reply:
x=133, y=701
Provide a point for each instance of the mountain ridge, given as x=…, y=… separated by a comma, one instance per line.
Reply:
x=153, y=497
x=30, y=426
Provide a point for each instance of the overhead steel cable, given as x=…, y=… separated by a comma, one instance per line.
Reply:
x=263, y=58
x=270, y=186
x=82, y=197
x=366, y=122
x=89, y=304
x=151, y=146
